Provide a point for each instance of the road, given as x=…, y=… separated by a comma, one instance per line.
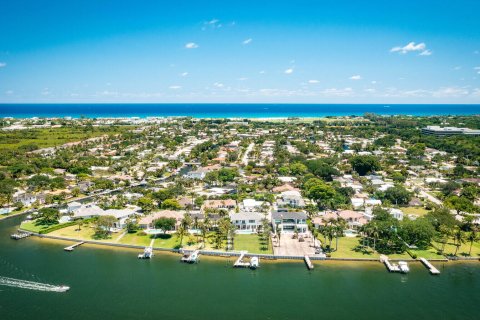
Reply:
x=245, y=155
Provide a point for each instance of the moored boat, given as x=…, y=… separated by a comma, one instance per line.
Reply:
x=147, y=253
x=403, y=267
x=254, y=263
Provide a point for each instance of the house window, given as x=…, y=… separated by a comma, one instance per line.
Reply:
x=251, y=221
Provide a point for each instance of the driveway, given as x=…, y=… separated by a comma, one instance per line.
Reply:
x=293, y=247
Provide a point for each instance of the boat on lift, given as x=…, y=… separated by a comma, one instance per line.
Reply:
x=403, y=267
x=147, y=253
x=254, y=263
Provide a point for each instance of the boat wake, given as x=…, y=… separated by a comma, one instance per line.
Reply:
x=24, y=284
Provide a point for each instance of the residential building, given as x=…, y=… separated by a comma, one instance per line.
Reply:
x=290, y=221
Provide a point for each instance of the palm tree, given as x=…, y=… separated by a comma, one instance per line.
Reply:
x=339, y=228
x=278, y=231
x=472, y=237
x=203, y=229
x=181, y=232
x=459, y=238
x=375, y=235
x=445, y=233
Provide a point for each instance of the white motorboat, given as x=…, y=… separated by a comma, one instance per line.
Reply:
x=191, y=257
x=147, y=253
x=403, y=267
x=254, y=263
x=63, y=288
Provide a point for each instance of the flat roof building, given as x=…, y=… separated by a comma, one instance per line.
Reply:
x=448, y=131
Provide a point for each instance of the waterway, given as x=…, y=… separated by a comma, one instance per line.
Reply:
x=113, y=284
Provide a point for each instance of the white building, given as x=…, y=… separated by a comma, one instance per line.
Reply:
x=247, y=222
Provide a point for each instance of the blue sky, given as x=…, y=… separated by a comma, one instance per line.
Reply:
x=240, y=51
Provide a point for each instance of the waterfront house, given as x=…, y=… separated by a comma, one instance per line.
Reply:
x=353, y=219
x=87, y=211
x=289, y=221
x=247, y=222
x=148, y=222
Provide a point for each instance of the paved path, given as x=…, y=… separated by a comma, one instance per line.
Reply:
x=247, y=151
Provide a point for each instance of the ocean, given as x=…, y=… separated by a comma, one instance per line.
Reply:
x=230, y=110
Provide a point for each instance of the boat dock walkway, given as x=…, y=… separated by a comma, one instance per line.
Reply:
x=20, y=235
x=73, y=246
x=239, y=263
x=308, y=263
x=429, y=266
x=390, y=267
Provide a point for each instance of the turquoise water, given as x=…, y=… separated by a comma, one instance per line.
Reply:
x=113, y=284
x=230, y=110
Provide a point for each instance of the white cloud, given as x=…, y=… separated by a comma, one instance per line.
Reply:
x=477, y=69
x=2, y=64
x=175, y=87
x=218, y=85
x=262, y=72
x=9, y=92
x=247, y=41
x=313, y=81
x=450, y=92
x=211, y=24
x=412, y=47
x=289, y=71
x=191, y=45
x=373, y=82
x=457, y=68
x=334, y=92
x=184, y=74
x=242, y=79
x=356, y=77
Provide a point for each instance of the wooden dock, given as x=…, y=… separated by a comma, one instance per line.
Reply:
x=239, y=263
x=308, y=262
x=73, y=246
x=429, y=266
x=20, y=235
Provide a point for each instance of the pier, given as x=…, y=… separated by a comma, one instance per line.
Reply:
x=20, y=235
x=429, y=266
x=308, y=263
x=73, y=246
x=390, y=267
x=239, y=263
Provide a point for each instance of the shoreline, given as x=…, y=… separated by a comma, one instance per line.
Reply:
x=222, y=255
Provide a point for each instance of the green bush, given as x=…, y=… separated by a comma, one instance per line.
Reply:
x=57, y=227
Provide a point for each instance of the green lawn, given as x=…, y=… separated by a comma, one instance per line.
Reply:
x=350, y=247
x=50, y=137
x=430, y=253
x=85, y=233
x=463, y=250
x=33, y=226
x=136, y=239
x=418, y=211
x=251, y=243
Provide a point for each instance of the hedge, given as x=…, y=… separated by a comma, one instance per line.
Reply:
x=57, y=227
